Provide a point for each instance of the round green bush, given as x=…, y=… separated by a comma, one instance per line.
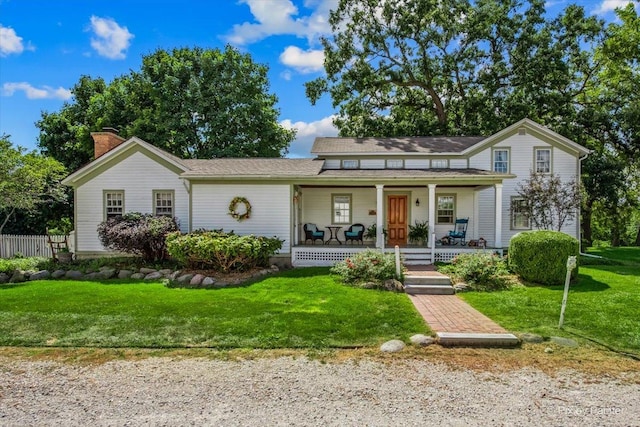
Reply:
x=541, y=256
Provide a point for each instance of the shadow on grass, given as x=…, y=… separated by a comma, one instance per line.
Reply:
x=12, y=285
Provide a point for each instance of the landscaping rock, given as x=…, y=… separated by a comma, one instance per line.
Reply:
x=174, y=276
x=18, y=276
x=138, y=276
x=461, y=287
x=422, y=340
x=185, y=278
x=275, y=268
x=4, y=277
x=96, y=275
x=208, y=281
x=58, y=274
x=196, y=280
x=165, y=272
x=146, y=271
x=124, y=274
x=564, y=342
x=154, y=276
x=392, y=346
x=74, y=274
x=107, y=273
x=393, y=285
x=368, y=285
x=532, y=338
x=220, y=285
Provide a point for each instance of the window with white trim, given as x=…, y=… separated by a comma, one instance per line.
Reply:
x=113, y=203
x=440, y=164
x=501, y=161
x=543, y=160
x=163, y=203
x=395, y=164
x=519, y=218
x=350, y=164
x=445, y=213
x=341, y=208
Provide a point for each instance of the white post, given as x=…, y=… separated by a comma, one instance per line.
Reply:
x=571, y=264
x=433, y=248
x=498, y=226
x=432, y=212
x=379, y=216
x=397, y=248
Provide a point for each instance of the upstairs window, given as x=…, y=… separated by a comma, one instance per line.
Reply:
x=395, y=164
x=341, y=212
x=501, y=161
x=440, y=164
x=163, y=203
x=113, y=203
x=350, y=164
x=543, y=160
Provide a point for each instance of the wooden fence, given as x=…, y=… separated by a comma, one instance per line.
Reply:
x=27, y=246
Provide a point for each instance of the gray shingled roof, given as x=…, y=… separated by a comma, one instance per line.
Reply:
x=427, y=145
x=408, y=173
x=272, y=167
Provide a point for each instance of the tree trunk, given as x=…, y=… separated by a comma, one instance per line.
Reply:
x=638, y=237
x=6, y=219
x=586, y=224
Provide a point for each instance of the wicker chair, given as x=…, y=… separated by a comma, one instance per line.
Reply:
x=312, y=233
x=354, y=233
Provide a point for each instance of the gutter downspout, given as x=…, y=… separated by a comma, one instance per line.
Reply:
x=580, y=159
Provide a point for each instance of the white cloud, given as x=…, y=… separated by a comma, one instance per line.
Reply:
x=10, y=42
x=45, y=92
x=307, y=133
x=308, y=61
x=611, y=5
x=111, y=40
x=279, y=17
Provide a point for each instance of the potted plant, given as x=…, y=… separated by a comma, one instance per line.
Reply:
x=64, y=255
x=419, y=233
x=372, y=232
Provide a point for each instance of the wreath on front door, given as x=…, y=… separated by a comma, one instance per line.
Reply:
x=233, y=209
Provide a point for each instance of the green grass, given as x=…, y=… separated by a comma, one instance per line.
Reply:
x=628, y=254
x=603, y=305
x=302, y=308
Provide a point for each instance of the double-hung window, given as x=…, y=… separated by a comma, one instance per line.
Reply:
x=519, y=218
x=163, y=202
x=446, y=209
x=341, y=208
x=350, y=164
x=501, y=160
x=440, y=164
x=543, y=160
x=113, y=203
x=395, y=164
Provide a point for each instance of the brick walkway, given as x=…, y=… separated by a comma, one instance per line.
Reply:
x=448, y=313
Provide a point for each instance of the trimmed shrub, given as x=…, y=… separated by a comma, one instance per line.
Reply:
x=139, y=234
x=367, y=266
x=482, y=271
x=541, y=256
x=220, y=251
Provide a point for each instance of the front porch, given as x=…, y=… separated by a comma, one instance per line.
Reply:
x=328, y=255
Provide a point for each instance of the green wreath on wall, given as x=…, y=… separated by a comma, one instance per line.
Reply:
x=233, y=209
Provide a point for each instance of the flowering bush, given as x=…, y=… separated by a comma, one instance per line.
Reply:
x=482, y=271
x=367, y=266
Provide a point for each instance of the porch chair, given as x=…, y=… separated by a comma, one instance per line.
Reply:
x=312, y=233
x=354, y=233
x=459, y=233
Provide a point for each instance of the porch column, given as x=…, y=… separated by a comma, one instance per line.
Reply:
x=498, y=226
x=432, y=214
x=379, y=215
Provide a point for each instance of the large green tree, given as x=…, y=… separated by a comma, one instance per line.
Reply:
x=192, y=102
x=28, y=181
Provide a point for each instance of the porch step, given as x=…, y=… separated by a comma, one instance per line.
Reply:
x=466, y=339
x=432, y=284
x=417, y=258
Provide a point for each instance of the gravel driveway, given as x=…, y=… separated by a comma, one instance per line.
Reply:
x=296, y=391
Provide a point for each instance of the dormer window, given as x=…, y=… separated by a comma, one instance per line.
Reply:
x=395, y=164
x=350, y=164
x=440, y=164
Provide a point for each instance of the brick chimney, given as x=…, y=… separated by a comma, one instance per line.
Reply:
x=105, y=141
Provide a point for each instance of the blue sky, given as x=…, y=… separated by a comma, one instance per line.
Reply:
x=45, y=46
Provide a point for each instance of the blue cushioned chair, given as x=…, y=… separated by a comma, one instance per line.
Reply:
x=459, y=233
x=312, y=233
x=354, y=233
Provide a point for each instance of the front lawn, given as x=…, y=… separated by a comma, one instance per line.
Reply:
x=304, y=308
x=602, y=305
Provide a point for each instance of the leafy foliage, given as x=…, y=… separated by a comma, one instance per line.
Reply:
x=548, y=201
x=194, y=103
x=8, y=266
x=136, y=233
x=541, y=256
x=221, y=251
x=27, y=180
x=482, y=271
x=419, y=232
x=366, y=266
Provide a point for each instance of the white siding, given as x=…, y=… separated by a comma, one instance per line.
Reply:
x=416, y=164
x=458, y=163
x=482, y=160
x=372, y=164
x=270, y=209
x=138, y=176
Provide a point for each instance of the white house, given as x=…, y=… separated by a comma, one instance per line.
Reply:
x=390, y=182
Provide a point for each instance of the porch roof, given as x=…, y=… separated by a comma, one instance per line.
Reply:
x=252, y=168
x=403, y=145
